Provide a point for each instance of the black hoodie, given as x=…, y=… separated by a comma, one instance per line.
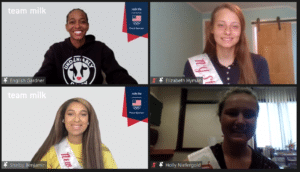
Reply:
x=65, y=64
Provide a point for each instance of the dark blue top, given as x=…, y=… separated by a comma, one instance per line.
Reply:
x=258, y=161
x=231, y=74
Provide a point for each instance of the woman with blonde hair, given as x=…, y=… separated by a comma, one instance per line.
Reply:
x=226, y=58
x=74, y=141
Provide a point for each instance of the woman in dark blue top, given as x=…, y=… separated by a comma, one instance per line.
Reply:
x=228, y=50
x=231, y=74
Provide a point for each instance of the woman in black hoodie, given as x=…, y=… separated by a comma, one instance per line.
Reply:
x=80, y=59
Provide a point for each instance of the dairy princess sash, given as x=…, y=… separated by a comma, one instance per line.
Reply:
x=203, y=67
x=65, y=155
x=207, y=158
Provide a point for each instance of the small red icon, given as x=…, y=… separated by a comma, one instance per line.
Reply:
x=153, y=165
x=207, y=166
x=153, y=81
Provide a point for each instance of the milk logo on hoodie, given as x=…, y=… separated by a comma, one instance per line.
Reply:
x=79, y=70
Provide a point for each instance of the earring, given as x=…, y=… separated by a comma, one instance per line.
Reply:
x=88, y=123
x=63, y=121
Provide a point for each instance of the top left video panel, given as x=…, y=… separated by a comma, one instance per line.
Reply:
x=74, y=43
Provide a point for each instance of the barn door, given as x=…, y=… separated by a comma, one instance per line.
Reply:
x=276, y=46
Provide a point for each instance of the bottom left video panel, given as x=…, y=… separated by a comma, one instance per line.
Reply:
x=74, y=127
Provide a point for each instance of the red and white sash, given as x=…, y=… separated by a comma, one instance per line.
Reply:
x=203, y=67
x=207, y=158
x=65, y=155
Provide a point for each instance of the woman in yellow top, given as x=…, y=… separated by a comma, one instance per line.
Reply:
x=74, y=140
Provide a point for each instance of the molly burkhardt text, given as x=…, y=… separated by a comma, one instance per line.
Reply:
x=38, y=10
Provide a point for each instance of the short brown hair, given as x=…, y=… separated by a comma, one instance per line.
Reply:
x=233, y=91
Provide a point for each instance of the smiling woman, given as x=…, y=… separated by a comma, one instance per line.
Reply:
x=79, y=60
x=226, y=58
x=77, y=25
x=74, y=141
x=238, y=110
x=76, y=121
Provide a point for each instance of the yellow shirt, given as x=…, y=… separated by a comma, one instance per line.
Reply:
x=52, y=161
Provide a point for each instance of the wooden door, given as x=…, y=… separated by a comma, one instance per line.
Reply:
x=276, y=46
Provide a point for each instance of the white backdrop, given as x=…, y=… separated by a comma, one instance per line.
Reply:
x=27, y=37
x=27, y=122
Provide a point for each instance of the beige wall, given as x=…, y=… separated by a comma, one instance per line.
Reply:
x=154, y=92
x=206, y=93
x=168, y=130
x=201, y=124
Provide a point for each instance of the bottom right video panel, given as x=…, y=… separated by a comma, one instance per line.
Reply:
x=223, y=127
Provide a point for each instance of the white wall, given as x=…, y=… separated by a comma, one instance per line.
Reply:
x=27, y=37
x=26, y=122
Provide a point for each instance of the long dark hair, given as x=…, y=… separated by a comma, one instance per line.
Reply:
x=91, y=141
x=242, y=52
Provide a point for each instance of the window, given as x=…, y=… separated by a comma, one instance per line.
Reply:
x=277, y=125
